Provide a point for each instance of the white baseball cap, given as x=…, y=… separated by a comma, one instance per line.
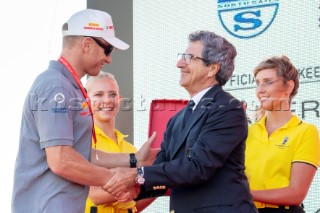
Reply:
x=94, y=23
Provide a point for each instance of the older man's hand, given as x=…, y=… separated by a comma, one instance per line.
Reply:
x=122, y=181
x=130, y=194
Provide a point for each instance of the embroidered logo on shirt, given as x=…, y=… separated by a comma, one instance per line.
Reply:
x=59, y=110
x=59, y=98
x=60, y=106
x=283, y=143
x=85, y=109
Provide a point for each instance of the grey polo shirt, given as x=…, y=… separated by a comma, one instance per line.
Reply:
x=54, y=114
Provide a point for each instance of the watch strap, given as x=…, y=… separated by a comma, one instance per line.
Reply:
x=133, y=160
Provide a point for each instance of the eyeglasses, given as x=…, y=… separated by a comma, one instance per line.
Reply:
x=266, y=83
x=187, y=57
x=108, y=49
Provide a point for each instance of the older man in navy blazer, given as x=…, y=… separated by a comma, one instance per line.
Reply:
x=202, y=156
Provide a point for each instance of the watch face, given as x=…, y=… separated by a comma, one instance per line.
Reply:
x=140, y=180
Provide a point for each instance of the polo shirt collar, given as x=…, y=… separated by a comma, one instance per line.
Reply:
x=294, y=121
x=58, y=66
x=119, y=135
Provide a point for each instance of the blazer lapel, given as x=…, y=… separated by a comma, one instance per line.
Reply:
x=181, y=139
x=205, y=103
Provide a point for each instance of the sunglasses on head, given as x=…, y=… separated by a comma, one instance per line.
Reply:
x=108, y=49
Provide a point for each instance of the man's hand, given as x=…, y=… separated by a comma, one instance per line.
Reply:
x=131, y=194
x=121, y=182
x=146, y=155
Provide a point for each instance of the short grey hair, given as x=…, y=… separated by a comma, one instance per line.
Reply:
x=216, y=50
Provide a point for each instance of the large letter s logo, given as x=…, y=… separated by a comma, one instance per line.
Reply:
x=241, y=19
x=247, y=18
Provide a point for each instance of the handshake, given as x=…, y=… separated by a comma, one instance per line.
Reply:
x=124, y=185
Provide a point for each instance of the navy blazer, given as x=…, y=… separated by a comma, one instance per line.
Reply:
x=203, y=163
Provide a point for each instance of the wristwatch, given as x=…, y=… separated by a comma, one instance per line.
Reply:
x=133, y=160
x=140, y=176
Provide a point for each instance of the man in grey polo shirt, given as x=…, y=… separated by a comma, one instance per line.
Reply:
x=52, y=169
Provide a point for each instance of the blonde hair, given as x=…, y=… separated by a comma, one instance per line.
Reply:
x=102, y=74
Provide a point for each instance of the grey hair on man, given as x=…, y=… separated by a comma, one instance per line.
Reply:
x=216, y=50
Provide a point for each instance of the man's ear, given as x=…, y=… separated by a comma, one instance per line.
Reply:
x=213, y=69
x=86, y=44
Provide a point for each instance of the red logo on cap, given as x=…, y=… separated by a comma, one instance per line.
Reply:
x=93, y=26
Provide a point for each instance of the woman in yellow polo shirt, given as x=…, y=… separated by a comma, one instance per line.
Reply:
x=283, y=152
x=103, y=91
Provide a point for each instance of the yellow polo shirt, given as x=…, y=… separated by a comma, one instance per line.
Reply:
x=105, y=143
x=269, y=158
